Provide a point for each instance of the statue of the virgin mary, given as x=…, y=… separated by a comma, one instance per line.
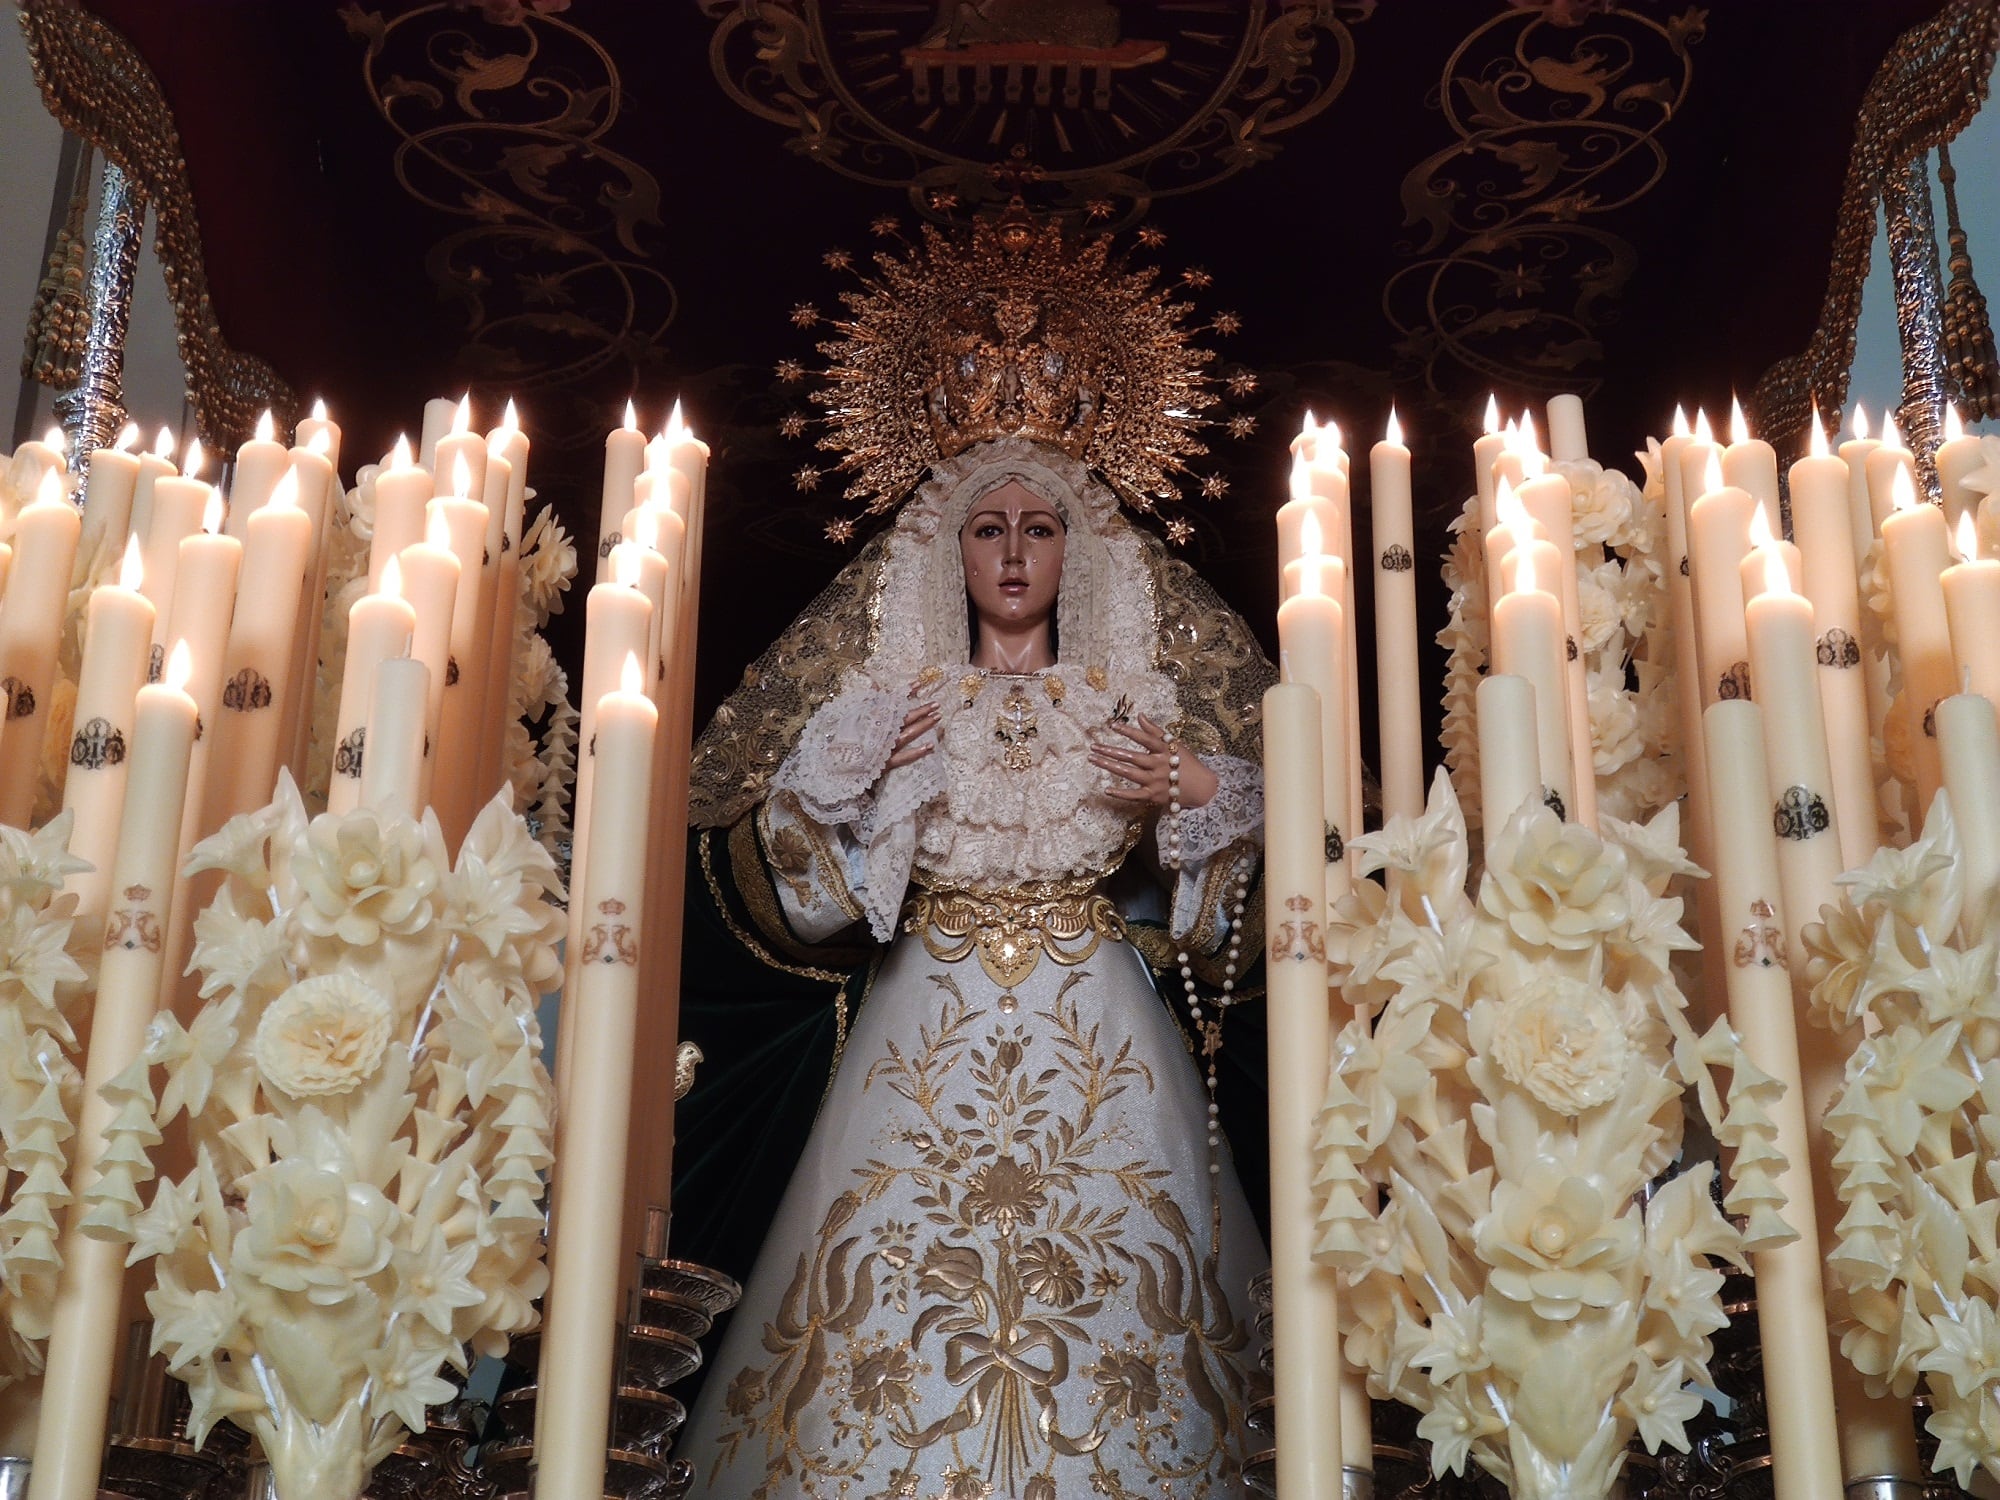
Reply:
x=1014, y=742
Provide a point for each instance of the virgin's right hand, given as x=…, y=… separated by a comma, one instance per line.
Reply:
x=911, y=744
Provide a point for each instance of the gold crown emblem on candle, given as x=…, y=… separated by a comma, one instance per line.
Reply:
x=1014, y=327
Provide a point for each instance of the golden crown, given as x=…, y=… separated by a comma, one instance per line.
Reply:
x=1013, y=328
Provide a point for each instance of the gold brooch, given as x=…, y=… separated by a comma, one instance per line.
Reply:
x=1056, y=688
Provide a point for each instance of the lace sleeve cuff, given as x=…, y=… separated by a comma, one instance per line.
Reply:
x=840, y=754
x=1235, y=813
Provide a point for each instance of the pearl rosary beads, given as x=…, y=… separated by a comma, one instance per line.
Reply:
x=1173, y=804
x=1211, y=1031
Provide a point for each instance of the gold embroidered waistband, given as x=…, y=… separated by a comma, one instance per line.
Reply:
x=1012, y=928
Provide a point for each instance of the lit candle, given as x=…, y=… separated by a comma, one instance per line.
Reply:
x=458, y=731
x=178, y=507
x=319, y=426
x=1749, y=463
x=392, y=769
x=506, y=442
x=1398, y=710
x=257, y=661
x=1548, y=500
x=650, y=575
x=319, y=483
x=1767, y=550
x=1779, y=624
x=85, y=1334
x=459, y=446
x=580, y=1332
x=1312, y=645
x=1512, y=527
x=430, y=582
x=259, y=464
x=1969, y=746
x=1917, y=551
x=1862, y=522
x=1529, y=641
x=1486, y=451
x=1972, y=613
x=624, y=461
x=153, y=467
x=1791, y=1300
x=107, y=504
x=1687, y=674
x=1305, y=1296
x=34, y=460
x=1828, y=573
x=1718, y=538
x=440, y=415
x=380, y=627
x=1292, y=520
x=1509, y=763
x=1958, y=458
x=1695, y=462
x=1882, y=467
x=117, y=647
x=31, y=624
x=402, y=491
x=1567, y=440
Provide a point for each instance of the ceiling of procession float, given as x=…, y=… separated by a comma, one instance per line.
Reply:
x=577, y=201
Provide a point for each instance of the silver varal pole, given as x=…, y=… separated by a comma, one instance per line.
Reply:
x=94, y=411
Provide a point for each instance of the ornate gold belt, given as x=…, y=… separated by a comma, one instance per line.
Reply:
x=1013, y=927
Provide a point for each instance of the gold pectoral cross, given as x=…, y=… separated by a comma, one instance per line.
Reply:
x=1014, y=728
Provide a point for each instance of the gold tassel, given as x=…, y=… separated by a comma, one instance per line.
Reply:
x=1968, y=331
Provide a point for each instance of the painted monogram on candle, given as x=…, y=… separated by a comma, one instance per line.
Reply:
x=20, y=697
x=347, y=754
x=611, y=539
x=248, y=690
x=610, y=941
x=156, y=663
x=451, y=671
x=1800, y=814
x=1297, y=939
x=1761, y=943
x=134, y=926
x=1552, y=800
x=1396, y=559
x=1336, y=846
x=1838, y=649
x=1569, y=647
x=97, y=744
x=1735, y=683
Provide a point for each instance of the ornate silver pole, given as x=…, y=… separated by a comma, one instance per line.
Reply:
x=93, y=412
x=1913, y=259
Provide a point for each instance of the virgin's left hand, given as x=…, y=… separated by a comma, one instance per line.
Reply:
x=1140, y=771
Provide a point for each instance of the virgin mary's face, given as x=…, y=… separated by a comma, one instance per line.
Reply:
x=1013, y=546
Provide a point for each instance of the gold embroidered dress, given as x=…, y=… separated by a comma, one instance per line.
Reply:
x=1009, y=1262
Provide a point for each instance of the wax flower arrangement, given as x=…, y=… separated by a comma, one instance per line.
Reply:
x=368, y=1116
x=1916, y=1135
x=1512, y=1084
x=39, y=1084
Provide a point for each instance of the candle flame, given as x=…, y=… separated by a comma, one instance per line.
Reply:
x=1892, y=436
x=267, y=427
x=399, y=456
x=1331, y=431
x=1816, y=436
x=211, y=513
x=1531, y=441
x=1711, y=479
x=437, y=530
x=132, y=571
x=1392, y=430
x=646, y=528
x=180, y=667
x=1739, y=428
x=128, y=437
x=461, y=419
x=1492, y=413
x=461, y=477
x=392, y=577
x=1507, y=506
x=285, y=494
x=1858, y=423
x=677, y=427
x=1777, y=577
x=1311, y=542
x=629, y=678
x=49, y=488
x=191, y=465
x=1968, y=536
x=1310, y=425
x=321, y=442
x=625, y=564
x=1310, y=583
x=55, y=439
x=1302, y=485
x=1703, y=433
x=163, y=444
x=1902, y=493
x=1524, y=569
x=1761, y=534
x=631, y=417
x=656, y=455
x=1954, y=425
x=319, y=409
x=1510, y=435
x=510, y=419
x=1681, y=428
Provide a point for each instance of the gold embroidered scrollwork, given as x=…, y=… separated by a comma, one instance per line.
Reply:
x=1012, y=931
x=1557, y=127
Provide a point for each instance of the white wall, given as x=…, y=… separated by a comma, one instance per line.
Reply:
x=30, y=153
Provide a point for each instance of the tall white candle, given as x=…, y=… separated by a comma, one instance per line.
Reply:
x=260, y=463
x=1749, y=463
x=1718, y=540
x=1528, y=641
x=107, y=508
x=624, y=461
x=465, y=684
x=1510, y=773
x=1972, y=613
x=392, y=769
x=31, y=622
x=380, y=627
x=1917, y=550
x=402, y=491
x=1567, y=440
x=1958, y=458
x=1397, y=689
x=1312, y=650
x=430, y=582
x=85, y=1335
